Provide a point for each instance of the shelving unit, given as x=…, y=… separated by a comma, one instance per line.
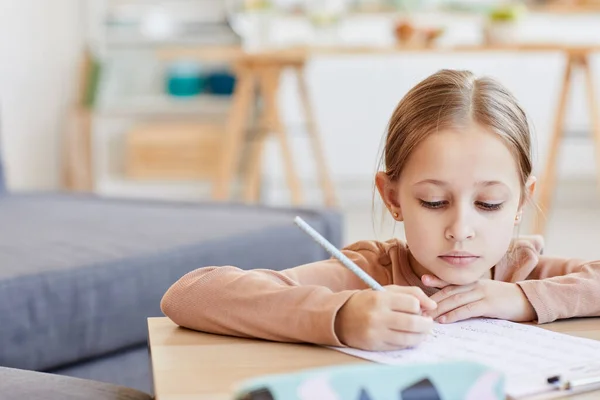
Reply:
x=125, y=37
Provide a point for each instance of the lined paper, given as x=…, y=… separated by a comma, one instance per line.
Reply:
x=526, y=354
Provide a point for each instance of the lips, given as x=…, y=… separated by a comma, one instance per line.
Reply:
x=459, y=258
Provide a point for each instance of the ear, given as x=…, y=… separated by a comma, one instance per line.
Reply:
x=388, y=190
x=530, y=186
x=529, y=192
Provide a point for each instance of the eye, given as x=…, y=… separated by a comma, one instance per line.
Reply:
x=434, y=205
x=488, y=206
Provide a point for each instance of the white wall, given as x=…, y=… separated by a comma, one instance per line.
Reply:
x=40, y=44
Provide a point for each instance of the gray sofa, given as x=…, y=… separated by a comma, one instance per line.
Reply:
x=80, y=274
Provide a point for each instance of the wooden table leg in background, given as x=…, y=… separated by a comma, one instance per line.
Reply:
x=77, y=170
x=235, y=133
x=546, y=186
x=593, y=110
x=257, y=144
x=547, y=181
x=270, y=85
x=264, y=75
x=270, y=82
x=268, y=88
x=315, y=140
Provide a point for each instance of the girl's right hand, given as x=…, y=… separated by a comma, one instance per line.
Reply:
x=385, y=320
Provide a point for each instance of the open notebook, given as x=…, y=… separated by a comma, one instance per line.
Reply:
x=527, y=355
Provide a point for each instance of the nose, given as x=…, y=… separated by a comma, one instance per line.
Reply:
x=459, y=228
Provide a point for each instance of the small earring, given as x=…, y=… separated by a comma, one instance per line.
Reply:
x=517, y=217
x=396, y=215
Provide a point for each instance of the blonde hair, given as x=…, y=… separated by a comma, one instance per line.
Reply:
x=452, y=99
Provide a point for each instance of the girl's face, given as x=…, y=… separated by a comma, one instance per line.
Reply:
x=459, y=196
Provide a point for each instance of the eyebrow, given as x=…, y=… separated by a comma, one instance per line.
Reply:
x=442, y=183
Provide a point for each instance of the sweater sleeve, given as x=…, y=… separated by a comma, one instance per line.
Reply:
x=294, y=305
x=563, y=288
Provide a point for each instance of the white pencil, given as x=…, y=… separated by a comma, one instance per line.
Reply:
x=348, y=263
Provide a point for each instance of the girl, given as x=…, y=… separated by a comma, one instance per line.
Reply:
x=457, y=174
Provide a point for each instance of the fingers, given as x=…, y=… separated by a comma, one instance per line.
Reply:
x=470, y=310
x=399, y=340
x=460, y=299
x=394, y=330
x=405, y=303
x=401, y=296
x=406, y=330
x=451, y=291
x=402, y=322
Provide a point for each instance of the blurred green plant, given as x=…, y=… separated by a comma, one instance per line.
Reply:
x=507, y=12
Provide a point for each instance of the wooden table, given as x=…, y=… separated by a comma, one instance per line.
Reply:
x=193, y=365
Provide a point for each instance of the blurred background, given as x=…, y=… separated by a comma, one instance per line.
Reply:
x=133, y=98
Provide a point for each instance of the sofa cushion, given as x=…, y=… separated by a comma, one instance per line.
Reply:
x=129, y=367
x=19, y=384
x=81, y=274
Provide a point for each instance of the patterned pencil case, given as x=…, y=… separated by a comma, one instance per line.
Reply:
x=439, y=381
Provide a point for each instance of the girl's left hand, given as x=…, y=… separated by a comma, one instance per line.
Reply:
x=484, y=298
